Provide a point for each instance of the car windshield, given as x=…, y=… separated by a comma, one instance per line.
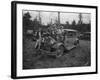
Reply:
x=70, y=33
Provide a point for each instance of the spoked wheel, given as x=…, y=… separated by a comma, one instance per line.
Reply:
x=60, y=51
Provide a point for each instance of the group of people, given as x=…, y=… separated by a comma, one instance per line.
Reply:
x=48, y=37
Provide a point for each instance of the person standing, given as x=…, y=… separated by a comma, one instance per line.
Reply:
x=38, y=41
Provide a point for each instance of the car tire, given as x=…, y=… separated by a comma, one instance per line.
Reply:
x=76, y=42
x=60, y=51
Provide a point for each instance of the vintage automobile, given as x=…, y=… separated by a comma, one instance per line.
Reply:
x=85, y=36
x=57, y=47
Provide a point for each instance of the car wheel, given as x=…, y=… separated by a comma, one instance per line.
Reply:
x=60, y=51
x=76, y=42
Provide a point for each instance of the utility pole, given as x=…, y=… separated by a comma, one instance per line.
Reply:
x=80, y=18
x=58, y=18
x=39, y=18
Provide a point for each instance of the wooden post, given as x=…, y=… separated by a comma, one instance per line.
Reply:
x=58, y=18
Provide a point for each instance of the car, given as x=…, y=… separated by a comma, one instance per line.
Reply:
x=85, y=36
x=57, y=47
x=70, y=41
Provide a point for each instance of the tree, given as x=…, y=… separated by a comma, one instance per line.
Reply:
x=73, y=23
x=26, y=21
x=35, y=24
x=67, y=25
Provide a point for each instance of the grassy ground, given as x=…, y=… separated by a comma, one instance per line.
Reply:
x=79, y=56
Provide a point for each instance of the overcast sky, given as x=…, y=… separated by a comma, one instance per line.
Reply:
x=68, y=16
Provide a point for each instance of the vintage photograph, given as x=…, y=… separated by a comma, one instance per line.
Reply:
x=54, y=39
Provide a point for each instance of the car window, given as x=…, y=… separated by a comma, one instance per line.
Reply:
x=71, y=34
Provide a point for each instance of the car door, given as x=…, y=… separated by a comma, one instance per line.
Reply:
x=69, y=41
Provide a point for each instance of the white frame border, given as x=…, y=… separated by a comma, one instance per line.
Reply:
x=36, y=72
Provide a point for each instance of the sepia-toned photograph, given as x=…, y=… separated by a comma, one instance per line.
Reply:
x=56, y=39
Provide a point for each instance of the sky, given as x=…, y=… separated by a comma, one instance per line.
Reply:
x=46, y=17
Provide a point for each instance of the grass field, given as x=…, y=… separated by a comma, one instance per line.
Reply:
x=33, y=59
